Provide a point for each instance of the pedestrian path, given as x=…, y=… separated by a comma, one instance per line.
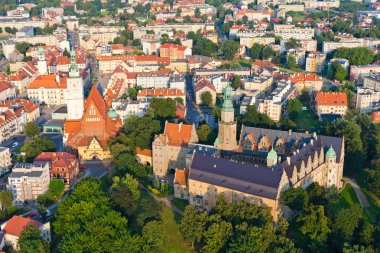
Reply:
x=361, y=196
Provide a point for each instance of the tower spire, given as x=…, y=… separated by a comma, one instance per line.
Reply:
x=73, y=62
x=227, y=100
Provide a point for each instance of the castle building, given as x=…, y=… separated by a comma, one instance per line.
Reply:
x=88, y=135
x=169, y=149
x=226, y=139
x=261, y=166
x=74, y=96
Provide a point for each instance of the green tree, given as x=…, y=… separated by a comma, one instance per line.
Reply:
x=154, y=237
x=292, y=44
x=206, y=98
x=267, y=52
x=337, y=72
x=295, y=198
x=31, y=129
x=216, y=236
x=217, y=113
x=291, y=63
x=141, y=130
x=256, y=51
x=22, y=46
x=193, y=224
x=204, y=132
x=356, y=56
x=229, y=49
x=57, y=187
x=236, y=82
x=86, y=222
x=125, y=193
x=163, y=108
x=33, y=149
x=255, y=239
x=30, y=241
x=294, y=107
x=314, y=225
x=6, y=199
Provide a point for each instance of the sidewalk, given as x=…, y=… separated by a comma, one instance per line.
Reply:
x=361, y=196
x=165, y=200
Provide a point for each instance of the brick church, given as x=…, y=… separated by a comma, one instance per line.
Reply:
x=88, y=135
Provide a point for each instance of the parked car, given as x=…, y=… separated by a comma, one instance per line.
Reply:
x=15, y=144
x=82, y=167
x=31, y=215
x=48, y=213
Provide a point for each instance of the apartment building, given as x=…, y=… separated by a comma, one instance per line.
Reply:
x=5, y=160
x=155, y=81
x=357, y=73
x=128, y=107
x=28, y=181
x=249, y=41
x=251, y=15
x=330, y=46
x=367, y=100
x=308, y=82
x=331, y=104
x=372, y=81
x=162, y=93
x=315, y=62
x=174, y=51
x=290, y=31
x=272, y=105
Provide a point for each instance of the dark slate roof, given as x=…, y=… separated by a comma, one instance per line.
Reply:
x=253, y=179
x=27, y=174
x=289, y=137
x=62, y=109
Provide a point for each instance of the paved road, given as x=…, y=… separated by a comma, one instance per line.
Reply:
x=96, y=168
x=361, y=196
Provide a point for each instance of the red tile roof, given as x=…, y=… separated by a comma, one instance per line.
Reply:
x=4, y=85
x=16, y=225
x=375, y=116
x=144, y=152
x=178, y=47
x=331, y=99
x=48, y=82
x=178, y=134
x=201, y=84
x=161, y=93
x=181, y=176
x=302, y=77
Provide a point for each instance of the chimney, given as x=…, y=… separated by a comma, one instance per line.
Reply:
x=288, y=159
x=290, y=131
x=57, y=78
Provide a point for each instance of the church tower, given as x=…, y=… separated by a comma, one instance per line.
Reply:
x=227, y=125
x=42, y=64
x=74, y=96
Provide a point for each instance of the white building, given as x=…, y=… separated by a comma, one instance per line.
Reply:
x=367, y=100
x=5, y=160
x=128, y=107
x=28, y=181
x=147, y=80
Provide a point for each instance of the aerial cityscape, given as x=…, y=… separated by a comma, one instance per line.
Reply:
x=176, y=126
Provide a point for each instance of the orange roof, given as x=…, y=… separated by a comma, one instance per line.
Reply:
x=117, y=47
x=97, y=99
x=16, y=225
x=261, y=63
x=181, y=176
x=375, y=116
x=5, y=86
x=178, y=134
x=302, y=77
x=48, y=82
x=144, y=152
x=178, y=47
x=161, y=93
x=331, y=99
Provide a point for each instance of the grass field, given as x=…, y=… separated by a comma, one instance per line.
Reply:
x=180, y=203
x=347, y=198
x=175, y=242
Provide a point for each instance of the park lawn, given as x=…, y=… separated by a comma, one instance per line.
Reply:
x=180, y=203
x=347, y=198
x=306, y=120
x=175, y=242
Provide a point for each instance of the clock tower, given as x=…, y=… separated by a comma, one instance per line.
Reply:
x=227, y=125
x=74, y=96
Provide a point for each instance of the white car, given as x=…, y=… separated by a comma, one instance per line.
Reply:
x=15, y=144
